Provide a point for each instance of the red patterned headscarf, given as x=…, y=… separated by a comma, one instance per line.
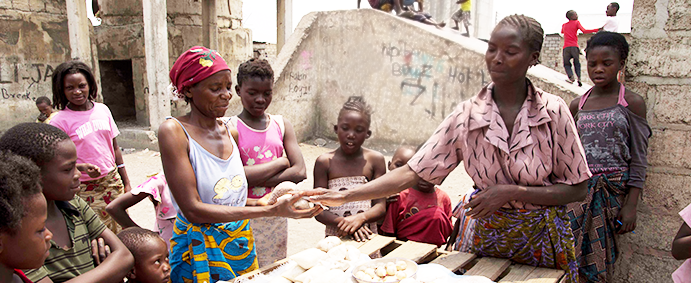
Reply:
x=195, y=65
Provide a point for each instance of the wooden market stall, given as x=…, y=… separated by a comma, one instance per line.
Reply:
x=496, y=269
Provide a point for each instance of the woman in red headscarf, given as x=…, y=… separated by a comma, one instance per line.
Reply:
x=211, y=239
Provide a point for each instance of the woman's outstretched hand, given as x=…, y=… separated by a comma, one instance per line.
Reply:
x=326, y=197
x=284, y=208
x=486, y=202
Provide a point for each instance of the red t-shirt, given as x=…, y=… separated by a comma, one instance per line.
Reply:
x=570, y=30
x=428, y=229
x=22, y=276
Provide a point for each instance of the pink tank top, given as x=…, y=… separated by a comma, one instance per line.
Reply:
x=259, y=146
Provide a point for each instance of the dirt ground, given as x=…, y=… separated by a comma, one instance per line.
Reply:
x=302, y=233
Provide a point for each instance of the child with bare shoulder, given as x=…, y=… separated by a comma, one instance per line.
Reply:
x=350, y=166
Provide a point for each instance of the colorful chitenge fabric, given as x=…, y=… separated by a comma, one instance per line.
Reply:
x=211, y=252
x=534, y=237
x=593, y=222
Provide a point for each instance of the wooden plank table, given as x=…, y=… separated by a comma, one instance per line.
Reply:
x=496, y=269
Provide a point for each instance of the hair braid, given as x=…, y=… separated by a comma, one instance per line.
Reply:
x=529, y=28
x=357, y=104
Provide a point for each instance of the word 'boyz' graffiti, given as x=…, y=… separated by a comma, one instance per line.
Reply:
x=422, y=74
x=298, y=83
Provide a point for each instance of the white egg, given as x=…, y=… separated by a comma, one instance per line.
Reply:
x=370, y=272
x=380, y=271
x=390, y=270
x=401, y=265
x=302, y=203
x=363, y=276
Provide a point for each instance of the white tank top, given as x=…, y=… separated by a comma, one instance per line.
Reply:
x=219, y=181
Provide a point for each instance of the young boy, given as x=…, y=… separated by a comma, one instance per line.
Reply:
x=150, y=256
x=73, y=223
x=46, y=108
x=571, y=49
x=612, y=23
x=24, y=239
x=462, y=15
x=422, y=213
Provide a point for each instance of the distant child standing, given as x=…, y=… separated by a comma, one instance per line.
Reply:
x=24, y=239
x=91, y=127
x=463, y=16
x=262, y=139
x=76, y=228
x=612, y=23
x=611, y=122
x=571, y=49
x=156, y=189
x=421, y=213
x=46, y=108
x=150, y=255
x=348, y=167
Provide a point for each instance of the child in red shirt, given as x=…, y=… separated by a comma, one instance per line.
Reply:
x=421, y=213
x=571, y=49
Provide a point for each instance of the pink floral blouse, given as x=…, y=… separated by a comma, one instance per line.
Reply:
x=157, y=188
x=543, y=149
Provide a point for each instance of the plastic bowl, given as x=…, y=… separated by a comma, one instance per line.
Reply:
x=410, y=271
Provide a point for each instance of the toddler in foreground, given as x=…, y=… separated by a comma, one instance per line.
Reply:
x=347, y=167
x=150, y=256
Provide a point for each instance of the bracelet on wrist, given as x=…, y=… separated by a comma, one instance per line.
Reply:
x=121, y=166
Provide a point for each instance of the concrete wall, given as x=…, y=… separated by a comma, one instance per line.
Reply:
x=658, y=69
x=412, y=78
x=121, y=37
x=33, y=41
x=551, y=55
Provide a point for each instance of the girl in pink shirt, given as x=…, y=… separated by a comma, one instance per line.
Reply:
x=91, y=127
x=681, y=248
x=262, y=139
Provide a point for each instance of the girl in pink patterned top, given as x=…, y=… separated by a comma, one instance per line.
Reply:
x=156, y=189
x=262, y=139
x=521, y=148
x=348, y=167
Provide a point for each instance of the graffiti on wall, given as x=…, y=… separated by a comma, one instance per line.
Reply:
x=436, y=81
x=25, y=81
x=299, y=84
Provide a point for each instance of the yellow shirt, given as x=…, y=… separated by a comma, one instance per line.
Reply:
x=47, y=121
x=466, y=6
